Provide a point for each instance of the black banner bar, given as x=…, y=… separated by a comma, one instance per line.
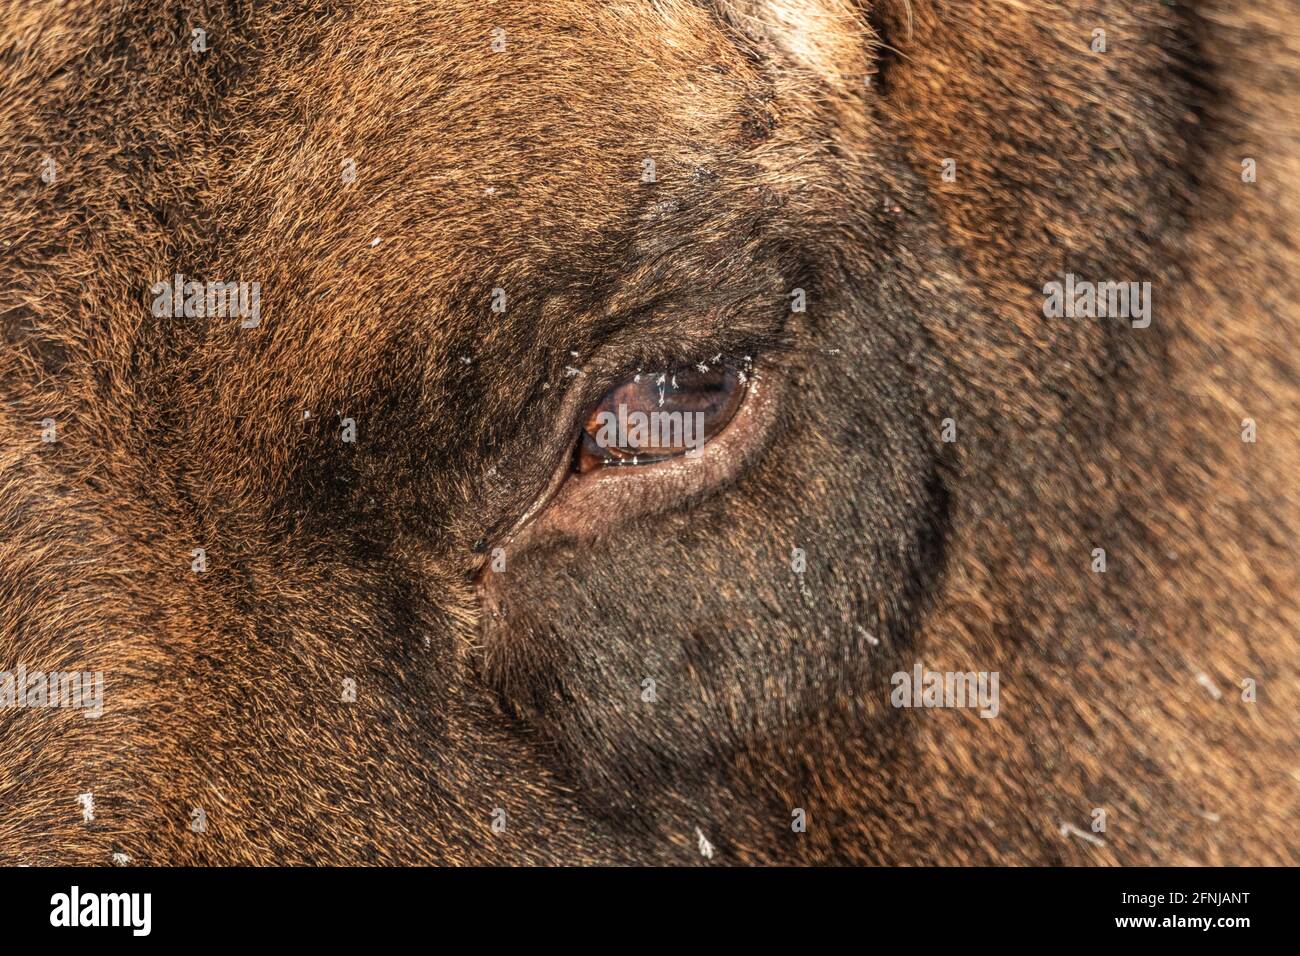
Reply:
x=333, y=906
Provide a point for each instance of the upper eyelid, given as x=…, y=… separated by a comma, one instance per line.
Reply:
x=738, y=327
x=615, y=362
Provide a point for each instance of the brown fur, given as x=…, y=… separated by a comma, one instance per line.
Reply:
x=777, y=167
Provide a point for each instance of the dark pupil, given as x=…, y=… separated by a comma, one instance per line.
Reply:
x=661, y=416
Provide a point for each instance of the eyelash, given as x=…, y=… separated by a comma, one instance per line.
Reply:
x=776, y=350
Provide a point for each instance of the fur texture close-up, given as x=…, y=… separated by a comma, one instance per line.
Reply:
x=991, y=309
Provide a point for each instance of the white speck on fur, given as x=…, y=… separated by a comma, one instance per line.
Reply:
x=871, y=638
x=87, y=801
x=1069, y=829
x=1204, y=680
x=706, y=848
x=570, y=371
x=121, y=859
x=375, y=241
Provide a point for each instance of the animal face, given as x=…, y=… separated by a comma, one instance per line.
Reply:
x=389, y=547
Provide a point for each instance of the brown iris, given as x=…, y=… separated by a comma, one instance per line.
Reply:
x=654, y=416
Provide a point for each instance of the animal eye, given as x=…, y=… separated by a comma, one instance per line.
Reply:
x=655, y=416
